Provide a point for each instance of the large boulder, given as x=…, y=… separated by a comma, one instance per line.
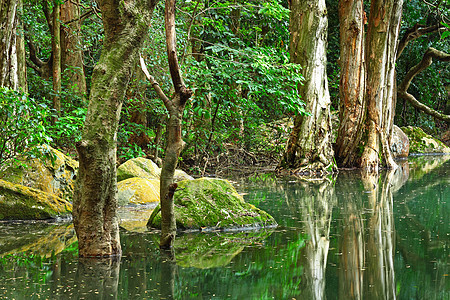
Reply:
x=399, y=143
x=420, y=142
x=51, y=172
x=138, y=191
x=207, y=203
x=145, y=168
x=18, y=202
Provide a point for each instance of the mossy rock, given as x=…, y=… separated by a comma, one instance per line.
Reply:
x=212, y=204
x=18, y=202
x=52, y=172
x=145, y=168
x=138, y=191
x=420, y=142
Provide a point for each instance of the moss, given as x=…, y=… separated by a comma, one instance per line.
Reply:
x=18, y=202
x=138, y=167
x=420, y=142
x=138, y=191
x=212, y=203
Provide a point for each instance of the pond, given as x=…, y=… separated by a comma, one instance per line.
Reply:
x=353, y=237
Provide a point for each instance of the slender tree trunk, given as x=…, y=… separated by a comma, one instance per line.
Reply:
x=12, y=52
x=381, y=47
x=95, y=195
x=71, y=54
x=56, y=54
x=352, y=82
x=309, y=148
x=175, y=144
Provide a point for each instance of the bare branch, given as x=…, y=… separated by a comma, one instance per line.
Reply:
x=415, y=32
x=154, y=83
x=426, y=61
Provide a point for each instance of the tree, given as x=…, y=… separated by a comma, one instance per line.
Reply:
x=12, y=48
x=352, y=106
x=382, y=35
x=95, y=194
x=309, y=148
x=175, y=106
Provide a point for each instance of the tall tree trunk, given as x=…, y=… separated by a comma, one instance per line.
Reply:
x=381, y=47
x=95, y=195
x=71, y=54
x=12, y=51
x=352, y=82
x=175, y=107
x=309, y=148
x=56, y=55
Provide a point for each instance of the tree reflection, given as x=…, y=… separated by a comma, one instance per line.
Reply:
x=367, y=239
x=316, y=204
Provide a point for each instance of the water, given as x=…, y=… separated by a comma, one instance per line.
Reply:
x=355, y=237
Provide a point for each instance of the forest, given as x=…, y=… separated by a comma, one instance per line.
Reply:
x=213, y=87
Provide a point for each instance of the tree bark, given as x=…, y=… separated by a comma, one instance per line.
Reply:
x=56, y=55
x=12, y=51
x=71, y=54
x=352, y=82
x=95, y=194
x=382, y=35
x=309, y=149
x=426, y=61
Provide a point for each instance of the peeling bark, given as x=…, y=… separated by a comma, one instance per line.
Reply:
x=95, y=194
x=309, y=149
x=12, y=52
x=352, y=83
x=384, y=24
x=426, y=61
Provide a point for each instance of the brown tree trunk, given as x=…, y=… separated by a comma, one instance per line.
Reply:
x=71, y=54
x=352, y=82
x=309, y=148
x=56, y=55
x=12, y=51
x=95, y=195
x=381, y=47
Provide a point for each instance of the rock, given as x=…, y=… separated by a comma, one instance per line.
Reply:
x=399, y=143
x=420, y=142
x=138, y=191
x=18, y=202
x=145, y=168
x=134, y=218
x=52, y=172
x=207, y=203
x=138, y=167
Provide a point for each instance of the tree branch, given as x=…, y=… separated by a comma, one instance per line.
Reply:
x=154, y=83
x=426, y=61
x=415, y=32
x=171, y=46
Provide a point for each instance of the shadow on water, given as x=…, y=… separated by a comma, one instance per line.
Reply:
x=353, y=237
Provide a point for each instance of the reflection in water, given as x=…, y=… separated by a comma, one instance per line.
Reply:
x=334, y=241
x=97, y=278
x=316, y=205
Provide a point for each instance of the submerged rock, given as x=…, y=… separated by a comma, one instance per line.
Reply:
x=420, y=142
x=18, y=202
x=138, y=191
x=207, y=203
x=145, y=168
x=52, y=172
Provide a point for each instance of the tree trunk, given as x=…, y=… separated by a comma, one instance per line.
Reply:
x=309, y=148
x=95, y=195
x=352, y=82
x=71, y=55
x=56, y=55
x=382, y=35
x=12, y=51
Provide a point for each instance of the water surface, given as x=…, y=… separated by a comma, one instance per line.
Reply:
x=353, y=237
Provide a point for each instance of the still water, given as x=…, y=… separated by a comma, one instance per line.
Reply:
x=354, y=237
